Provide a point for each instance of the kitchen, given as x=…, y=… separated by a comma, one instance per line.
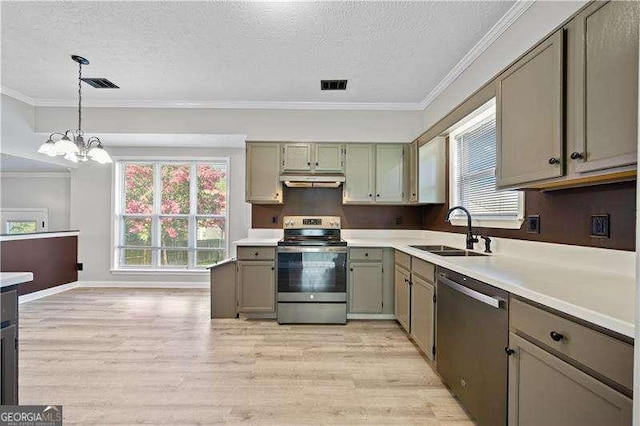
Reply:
x=337, y=214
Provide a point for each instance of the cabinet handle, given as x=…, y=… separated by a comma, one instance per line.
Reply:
x=366, y=255
x=273, y=268
x=576, y=155
x=553, y=160
x=406, y=280
x=556, y=336
x=351, y=269
x=317, y=164
x=370, y=195
x=308, y=164
x=377, y=195
x=255, y=254
x=509, y=351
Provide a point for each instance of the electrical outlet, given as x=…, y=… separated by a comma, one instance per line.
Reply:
x=533, y=223
x=274, y=219
x=600, y=226
x=398, y=220
x=79, y=266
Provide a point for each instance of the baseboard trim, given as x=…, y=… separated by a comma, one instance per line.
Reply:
x=145, y=284
x=371, y=316
x=47, y=292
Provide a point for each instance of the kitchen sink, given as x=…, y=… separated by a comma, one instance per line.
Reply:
x=435, y=248
x=466, y=253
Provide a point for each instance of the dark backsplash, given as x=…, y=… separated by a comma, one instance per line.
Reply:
x=565, y=216
x=328, y=202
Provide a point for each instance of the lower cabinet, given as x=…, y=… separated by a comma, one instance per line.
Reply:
x=9, y=347
x=544, y=390
x=256, y=286
x=423, y=306
x=402, y=292
x=366, y=288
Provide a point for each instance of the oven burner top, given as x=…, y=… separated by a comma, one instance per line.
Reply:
x=307, y=242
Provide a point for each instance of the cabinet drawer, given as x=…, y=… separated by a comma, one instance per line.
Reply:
x=256, y=253
x=365, y=254
x=403, y=259
x=424, y=269
x=9, y=306
x=610, y=357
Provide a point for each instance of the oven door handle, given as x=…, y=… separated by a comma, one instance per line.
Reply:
x=297, y=249
x=481, y=297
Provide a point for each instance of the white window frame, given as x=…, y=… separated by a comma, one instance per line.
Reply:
x=483, y=113
x=117, y=203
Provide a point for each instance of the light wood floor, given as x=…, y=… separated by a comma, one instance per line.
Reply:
x=114, y=356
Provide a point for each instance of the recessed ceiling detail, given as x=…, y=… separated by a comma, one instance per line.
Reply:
x=245, y=54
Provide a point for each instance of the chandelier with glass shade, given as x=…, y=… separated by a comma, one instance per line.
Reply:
x=72, y=144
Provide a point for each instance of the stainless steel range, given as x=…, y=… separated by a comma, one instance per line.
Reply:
x=312, y=271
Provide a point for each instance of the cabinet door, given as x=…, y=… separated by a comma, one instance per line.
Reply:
x=365, y=293
x=256, y=286
x=402, y=297
x=605, y=49
x=529, y=116
x=413, y=172
x=544, y=390
x=359, y=174
x=328, y=158
x=296, y=157
x=389, y=173
x=263, y=174
x=422, y=314
x=9, y=367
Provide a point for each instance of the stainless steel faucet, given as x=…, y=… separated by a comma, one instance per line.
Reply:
x=471, y=240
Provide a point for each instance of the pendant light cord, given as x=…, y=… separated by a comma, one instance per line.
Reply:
x=80, y=99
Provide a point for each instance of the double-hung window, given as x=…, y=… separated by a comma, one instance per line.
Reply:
x=171, y=214
x=472, y=144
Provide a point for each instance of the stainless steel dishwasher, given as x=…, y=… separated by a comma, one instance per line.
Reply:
x=471, y=336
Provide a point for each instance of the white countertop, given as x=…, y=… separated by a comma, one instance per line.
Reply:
x=603, y=298
x=12, y=278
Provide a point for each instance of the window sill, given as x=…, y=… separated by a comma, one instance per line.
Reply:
x=489, y=223
x=159, y=271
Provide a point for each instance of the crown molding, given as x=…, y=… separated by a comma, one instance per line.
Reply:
x=17, y=95
x=487, y=40
x=35, y=174
x=112, y=103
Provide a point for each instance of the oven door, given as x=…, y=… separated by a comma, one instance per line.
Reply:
x=312, y=274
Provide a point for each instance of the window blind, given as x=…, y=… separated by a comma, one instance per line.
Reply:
x=475, y=174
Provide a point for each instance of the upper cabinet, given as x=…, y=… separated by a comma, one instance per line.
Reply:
x=328, y=158
x=314, y=158
x=390, y=173
x=263, y=184
x=550, y=136
x=412, y=160
x=374, y=174
x=604, y=51
x=432, y=173
x=359, y=185
x=529, y=116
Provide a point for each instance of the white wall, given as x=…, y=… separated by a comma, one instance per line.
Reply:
x=34, y=190
x=17, y=136
x=92, y=212
x=531, y=27
x=272, y=125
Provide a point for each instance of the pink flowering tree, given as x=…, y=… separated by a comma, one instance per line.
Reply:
x=175, y=200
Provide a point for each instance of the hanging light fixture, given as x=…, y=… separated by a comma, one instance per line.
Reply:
x=71, y=144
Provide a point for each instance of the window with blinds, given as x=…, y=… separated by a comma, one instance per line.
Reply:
x=473, y=175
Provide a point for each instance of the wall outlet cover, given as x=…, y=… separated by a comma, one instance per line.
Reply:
x=600, y=226
x=533, y=224
x=398, y=220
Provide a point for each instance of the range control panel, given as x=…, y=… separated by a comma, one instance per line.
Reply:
x=311, y=222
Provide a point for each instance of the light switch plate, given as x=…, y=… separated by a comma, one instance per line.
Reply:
x=600, y=226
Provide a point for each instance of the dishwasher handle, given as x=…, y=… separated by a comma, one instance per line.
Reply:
x=481, y=297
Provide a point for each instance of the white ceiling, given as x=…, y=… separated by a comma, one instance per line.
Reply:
x=13, y=164
x=392, y=52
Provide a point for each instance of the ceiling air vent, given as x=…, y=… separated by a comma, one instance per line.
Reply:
x=100, y=83
x=333, y=84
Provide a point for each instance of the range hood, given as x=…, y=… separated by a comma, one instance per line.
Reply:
x=315, y=181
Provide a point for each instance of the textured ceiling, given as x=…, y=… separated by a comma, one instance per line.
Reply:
x=391, y=52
